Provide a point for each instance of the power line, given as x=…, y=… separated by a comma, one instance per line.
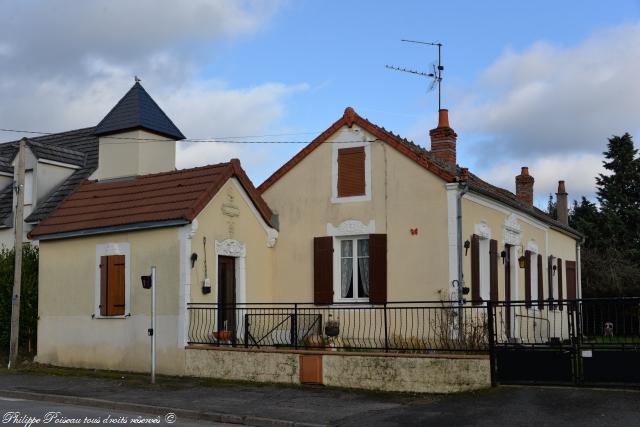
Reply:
x=222, y=140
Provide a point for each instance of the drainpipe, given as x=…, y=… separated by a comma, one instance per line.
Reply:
x=464, y=189
x=579, y=266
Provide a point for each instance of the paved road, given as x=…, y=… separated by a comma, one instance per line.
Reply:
x=21, y=412
x=508, y=406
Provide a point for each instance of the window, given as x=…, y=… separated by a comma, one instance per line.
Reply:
x=28, y=187
x=484, y=269
x=354, y=268
x=351, y=173
x=112, y=285
x=350, y=269
x=533, y=262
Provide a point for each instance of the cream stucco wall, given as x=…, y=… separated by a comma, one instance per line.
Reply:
x=70, y=333
x=136, y=152
x=230, y=216
x=403, y=196
x=477, y=209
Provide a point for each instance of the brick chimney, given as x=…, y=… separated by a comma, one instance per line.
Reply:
x=562, y=204
x=524, y=186
x=443, y=139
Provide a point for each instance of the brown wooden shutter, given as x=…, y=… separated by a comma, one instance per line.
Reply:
x=507, y=273
x=560, y=285
x=323, y=270
x=571, y=280
x=104, y=281
x=540, y=283
x=493, y=270
x=378, y=268
x=116, y=287
x=527, y=278
x=550, y=280
x=351, y=179
x=475, y=269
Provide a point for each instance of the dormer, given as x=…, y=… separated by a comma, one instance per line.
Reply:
x=136, y=138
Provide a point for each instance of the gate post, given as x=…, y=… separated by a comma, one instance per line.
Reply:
x=492, y=344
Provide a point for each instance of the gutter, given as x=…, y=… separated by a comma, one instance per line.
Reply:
x=112, y=229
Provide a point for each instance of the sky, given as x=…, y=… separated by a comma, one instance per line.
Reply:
x=540, y=84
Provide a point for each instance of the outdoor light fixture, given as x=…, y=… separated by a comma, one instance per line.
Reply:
x=146, y=282
x=194, y=258
x=503, y=255
x=521, y=261
x=555, y=267
x=467, y=245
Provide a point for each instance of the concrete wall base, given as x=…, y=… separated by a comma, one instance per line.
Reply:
x=370, y=371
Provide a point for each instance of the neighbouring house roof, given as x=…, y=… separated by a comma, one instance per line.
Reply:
x=57, y=153
x=137, y=110
x=422, y=157
x=66, y=147
x=155, y=200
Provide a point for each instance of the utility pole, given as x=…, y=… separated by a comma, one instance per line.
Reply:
x=17, y=273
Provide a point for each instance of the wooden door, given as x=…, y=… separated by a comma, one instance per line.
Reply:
x=226, y=294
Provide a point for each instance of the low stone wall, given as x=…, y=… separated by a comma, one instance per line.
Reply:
x=371, y=371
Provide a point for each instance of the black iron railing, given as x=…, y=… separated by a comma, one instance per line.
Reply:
x=398, y=327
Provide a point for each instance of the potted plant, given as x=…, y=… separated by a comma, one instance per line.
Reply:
x=332, y=327
x=224, y=334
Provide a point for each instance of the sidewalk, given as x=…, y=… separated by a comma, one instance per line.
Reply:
x=272, y=405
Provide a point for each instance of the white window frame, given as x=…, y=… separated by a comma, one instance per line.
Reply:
x=334, y=172
x=108, y=249
x=337, y=268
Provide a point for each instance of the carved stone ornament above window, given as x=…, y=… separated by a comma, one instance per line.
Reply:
x=351, y=227
x=512, y=230
x=483, y=230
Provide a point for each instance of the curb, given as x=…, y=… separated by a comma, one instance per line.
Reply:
x=218, y=417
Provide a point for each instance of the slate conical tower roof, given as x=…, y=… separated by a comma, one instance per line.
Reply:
x=137, y=110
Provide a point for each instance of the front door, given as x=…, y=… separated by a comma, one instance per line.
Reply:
x=227, y=295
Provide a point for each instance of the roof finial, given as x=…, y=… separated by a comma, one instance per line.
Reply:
x=137, y=79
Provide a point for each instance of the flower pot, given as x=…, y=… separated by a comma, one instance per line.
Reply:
x=332, y=329
x=223, y=335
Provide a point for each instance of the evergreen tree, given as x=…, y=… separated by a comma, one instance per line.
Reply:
x=611, y=252
x=552, y=207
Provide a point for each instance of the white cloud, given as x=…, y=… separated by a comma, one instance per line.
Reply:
x=79, y=58
x=551, y=108
x=577, y=170
x=552, y=99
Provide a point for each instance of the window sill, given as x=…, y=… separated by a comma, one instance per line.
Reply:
x=351, y=199
x=98, y=316
x=358, y=302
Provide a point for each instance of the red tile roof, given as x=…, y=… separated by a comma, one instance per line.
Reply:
x=167, y=196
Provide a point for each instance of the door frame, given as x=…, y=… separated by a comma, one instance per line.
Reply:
x=238, y=250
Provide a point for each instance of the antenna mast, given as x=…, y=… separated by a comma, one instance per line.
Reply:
x=436, y=75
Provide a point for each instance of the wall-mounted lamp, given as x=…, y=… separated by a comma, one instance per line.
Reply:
x=467, y=245
x=503, y=255
x=194, y=258
x=555, y=267
x=521, y=261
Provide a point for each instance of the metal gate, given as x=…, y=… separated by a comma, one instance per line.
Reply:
x=577, y=342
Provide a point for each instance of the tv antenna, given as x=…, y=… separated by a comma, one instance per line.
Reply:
x=435, y=74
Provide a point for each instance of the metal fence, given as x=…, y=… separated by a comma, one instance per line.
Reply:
x=396, y=327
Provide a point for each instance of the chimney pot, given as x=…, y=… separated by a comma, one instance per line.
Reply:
x=443, y=118
x=524, y=186
x=443, y=139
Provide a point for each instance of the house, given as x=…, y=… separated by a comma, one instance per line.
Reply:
x=57, y=163
x=388, y=220
x=197, y=226
x=362, y=234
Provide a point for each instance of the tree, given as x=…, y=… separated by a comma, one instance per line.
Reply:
x=552, y=207
x=611, y=253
